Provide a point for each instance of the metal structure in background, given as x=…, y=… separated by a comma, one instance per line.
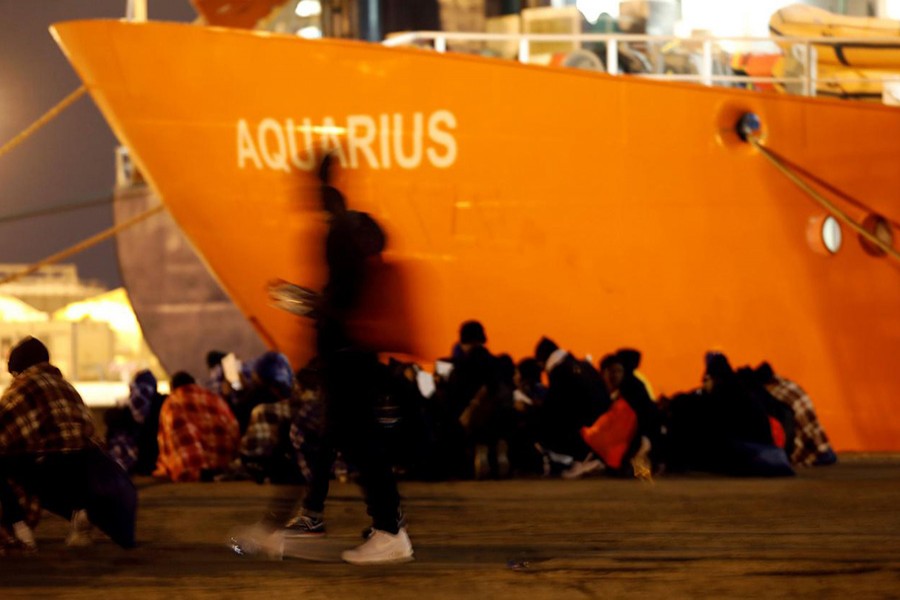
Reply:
x=182, y=310
x=370, y=20
x=806, y=81
x=136, y=10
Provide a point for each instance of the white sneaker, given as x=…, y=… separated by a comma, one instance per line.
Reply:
x=80, y=534
x=25, y=536
x=258, y=539
x=582, y=468
x=381, y=548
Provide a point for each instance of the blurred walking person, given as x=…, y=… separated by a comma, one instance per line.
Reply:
x=349, y=372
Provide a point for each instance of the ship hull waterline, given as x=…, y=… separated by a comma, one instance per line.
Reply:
x=601, y=211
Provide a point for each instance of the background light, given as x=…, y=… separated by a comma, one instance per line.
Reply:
x=308, y=8
x=311, y=33
x=892, y=9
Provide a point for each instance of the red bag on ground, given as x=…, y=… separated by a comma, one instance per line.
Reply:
x=779, y=438
x=611, y=433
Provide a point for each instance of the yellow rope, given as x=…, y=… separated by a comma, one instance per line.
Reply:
x=829, y=206
x=82, y=245
x=46, y=118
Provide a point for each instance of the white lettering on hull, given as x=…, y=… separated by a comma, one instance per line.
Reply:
x=385, y=141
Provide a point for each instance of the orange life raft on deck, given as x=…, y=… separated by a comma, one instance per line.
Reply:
x=808, y=21
x=846, y=69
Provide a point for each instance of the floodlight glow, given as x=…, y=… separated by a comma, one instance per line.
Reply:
x=308, y=8
x=311, y=33
x=891, y=9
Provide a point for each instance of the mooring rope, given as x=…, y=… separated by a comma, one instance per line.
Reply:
x=43, y=120
x=829, y=206
x=82, y=245
x=55, y=210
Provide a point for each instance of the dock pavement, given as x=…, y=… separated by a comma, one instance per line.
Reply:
x=830, y=532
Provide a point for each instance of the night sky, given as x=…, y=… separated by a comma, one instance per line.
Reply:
x=71, y=160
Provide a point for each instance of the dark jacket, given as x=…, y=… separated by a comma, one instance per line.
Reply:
x=353, y=241
x=575, y=398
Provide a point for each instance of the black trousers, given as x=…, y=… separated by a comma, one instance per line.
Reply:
x=349, y=388
x=59, y=480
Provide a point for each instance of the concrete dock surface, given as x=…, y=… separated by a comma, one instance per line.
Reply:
x=830, y=532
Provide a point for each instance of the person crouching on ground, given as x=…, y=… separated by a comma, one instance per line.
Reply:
x=46, y=432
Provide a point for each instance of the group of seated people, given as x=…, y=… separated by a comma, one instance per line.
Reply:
x=198, y=432
x=555, y=413
x=477, y=416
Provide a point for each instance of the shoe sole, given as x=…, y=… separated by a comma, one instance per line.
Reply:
x=389, y=561
x=303, y=536
x=79, y=542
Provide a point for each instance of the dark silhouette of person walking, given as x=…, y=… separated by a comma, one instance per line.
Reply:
x=353, y=247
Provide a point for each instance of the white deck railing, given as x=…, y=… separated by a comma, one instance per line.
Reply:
x=806, y=52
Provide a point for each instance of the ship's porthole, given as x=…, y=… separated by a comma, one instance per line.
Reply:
x=831, y=234
x=824, y=234
x=881, y=229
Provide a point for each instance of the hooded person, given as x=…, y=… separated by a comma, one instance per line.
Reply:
x=271, y=380
x=575, y=398
x=132, y=427
x=147, y=402
x=265, y=448
x=810, y=445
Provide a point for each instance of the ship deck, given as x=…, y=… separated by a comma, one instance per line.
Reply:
x=828, y=532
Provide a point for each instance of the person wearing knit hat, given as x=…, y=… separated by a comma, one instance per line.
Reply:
x=718, y=369
x=48, y=456
x=472, y=332
x=27, y=353
x=478, y=401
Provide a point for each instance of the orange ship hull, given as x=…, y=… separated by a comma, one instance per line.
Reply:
x=601, y=211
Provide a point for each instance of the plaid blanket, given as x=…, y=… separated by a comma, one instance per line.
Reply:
x=41, y=412
x=268, y=429
x=307, y=431
x=197, y=432
x=809, y=438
